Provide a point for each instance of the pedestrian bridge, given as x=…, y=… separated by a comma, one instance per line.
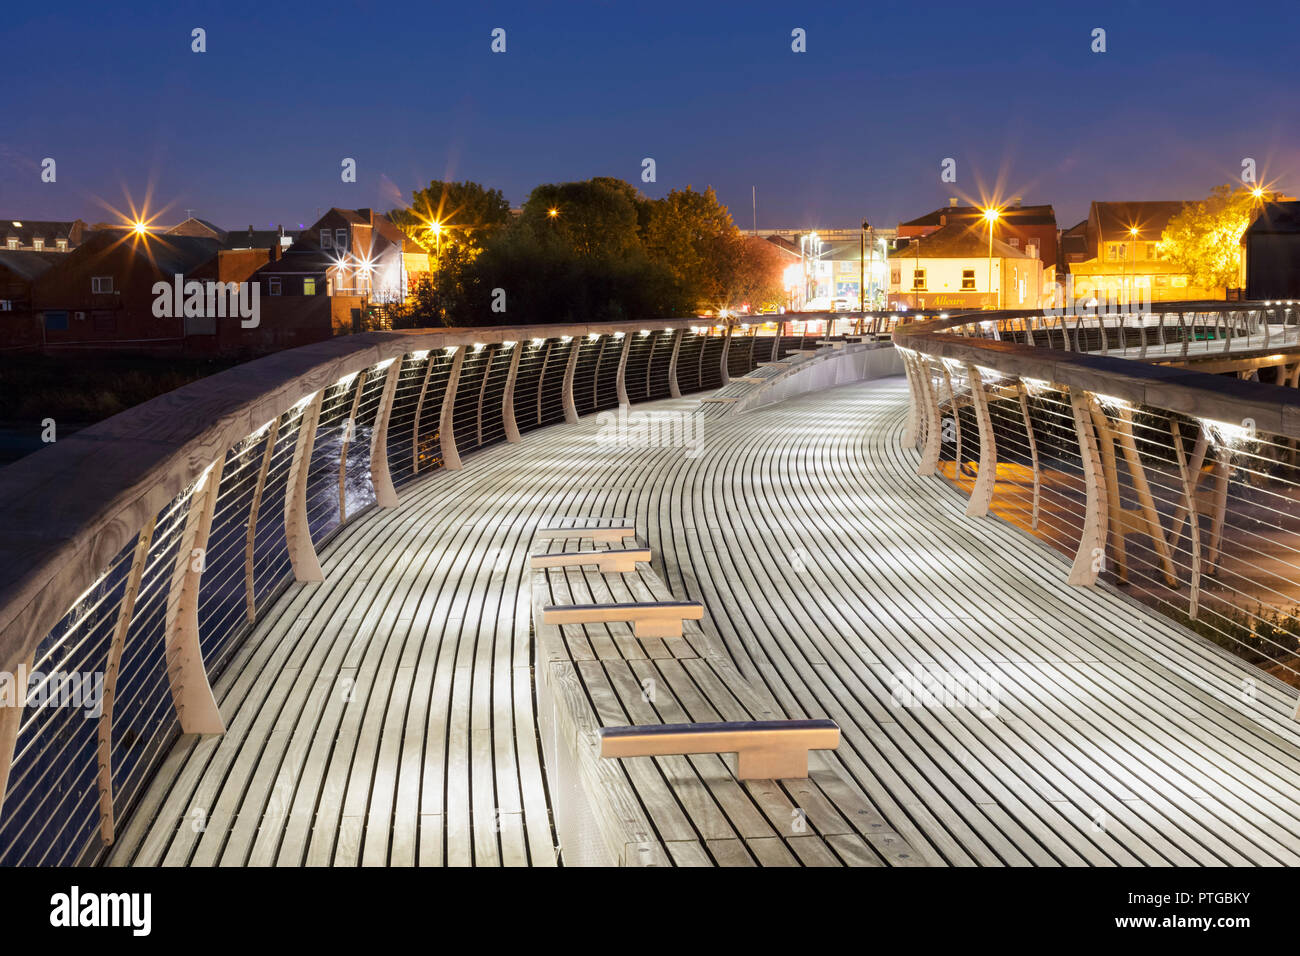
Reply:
x=1042, y=583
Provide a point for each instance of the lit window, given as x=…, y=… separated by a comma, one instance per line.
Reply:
x=38, y=245
x=11, y=243
x=918, y=279
x=309, y=286
x=968, y=280
x=326, y=239
x=1152, y=251
x=6, y=305
x=61, y=245
x=275, y=285
x=101, y=284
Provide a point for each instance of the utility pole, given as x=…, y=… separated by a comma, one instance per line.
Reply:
x=862, y=276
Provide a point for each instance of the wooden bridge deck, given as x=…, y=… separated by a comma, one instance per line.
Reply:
x=386, y=716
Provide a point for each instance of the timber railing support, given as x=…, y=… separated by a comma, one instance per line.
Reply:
x=1091, y=556
x=673, y=388
x=11, y=719
x=191, y=693
x=622, y=370
x=570, y=407
x=508, y=394
x=250, y=537
x=297, y=529
x=349, y=432
x=981, y=495
x=380, y=476
x=125, y=609
x=447, y=420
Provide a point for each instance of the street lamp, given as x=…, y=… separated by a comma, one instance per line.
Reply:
x=1133, y=234
x=991, y=216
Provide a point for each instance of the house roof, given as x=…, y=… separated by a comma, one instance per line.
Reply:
x=958, y=240
x=299, y=261
x=1150, y=217
x=1019, y=215
x=24, y=230
x=193, y=226
x=1275, y=218
x=27, y=263
x=257, y=238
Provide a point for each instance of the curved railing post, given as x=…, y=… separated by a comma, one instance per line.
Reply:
x=673, y=388
x=570, y=407
x=934, y=427
x=622, y=367
x=419, y=413
x=508, y=394
x=297, y=529
x=1091, y=556
x=125, y=610
x=380, y=476
x=726, y=348
x=447, y=421
x=913, y=407
x=250, y=536
x=981, y=495
x=11, y=719
x=482, y=393
x=196, y=707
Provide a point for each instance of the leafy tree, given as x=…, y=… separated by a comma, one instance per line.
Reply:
x=593, y=219
x=467, y=214
x=692, y=235
x=1204, y=238
x=756, y=275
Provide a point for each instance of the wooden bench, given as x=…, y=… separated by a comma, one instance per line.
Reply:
x=765, y=749
x=648, y=618
x=613, y=561
x=615, y=533
x=686, y=807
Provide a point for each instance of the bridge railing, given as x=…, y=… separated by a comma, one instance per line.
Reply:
x=141, y=551
x=1178, y=485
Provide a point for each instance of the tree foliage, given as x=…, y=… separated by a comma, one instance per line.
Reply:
x=1204, y=238
x=467, y=214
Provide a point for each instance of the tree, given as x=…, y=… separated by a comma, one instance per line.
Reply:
x=451, y=213
x=593, y=219
x=757, y=274
x=692, y=235
x=1204, y=238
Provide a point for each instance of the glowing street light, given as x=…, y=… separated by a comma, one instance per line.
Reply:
x=552, y=212
x=140, y=228
x=991, y=216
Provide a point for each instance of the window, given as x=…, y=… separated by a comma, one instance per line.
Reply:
x=309, y=286
x=326, y=239
x=1152, y=251
x=341, y=240
x=275, y=285
x=38, y=245
x=1013, y=242
x=918, y=279
x=1180, y=282
x=61, y=245
x=11, y=243
x=6, y=305
x=101, y=284
x=968, y=280
x=56, y=321
x=1162, y=282
x=1116, y=251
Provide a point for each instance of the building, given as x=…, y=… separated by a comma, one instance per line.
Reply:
x=1031, y=228
x=32, y=235
x=1270, y=260
x=19, y=271
x=1122, y=257
x=951, y=269
x=353, y=257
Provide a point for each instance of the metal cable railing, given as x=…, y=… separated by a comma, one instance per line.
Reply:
x=189, y=571
x=1179, y=486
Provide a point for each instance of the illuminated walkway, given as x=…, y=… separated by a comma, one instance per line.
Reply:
x=386, y=715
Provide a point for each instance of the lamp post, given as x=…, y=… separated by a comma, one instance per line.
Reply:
x=1133, y=235
x=991, y=216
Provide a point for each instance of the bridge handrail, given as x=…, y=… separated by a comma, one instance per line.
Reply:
x=111, y=529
